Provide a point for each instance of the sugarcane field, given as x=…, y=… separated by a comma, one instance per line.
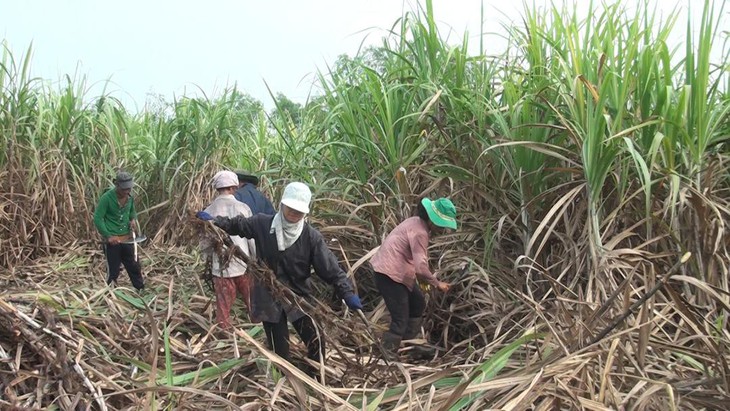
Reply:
x=435, y=228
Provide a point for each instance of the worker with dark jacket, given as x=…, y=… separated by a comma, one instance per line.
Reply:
x=249, y=194
x=290, y=247
x=402, y=261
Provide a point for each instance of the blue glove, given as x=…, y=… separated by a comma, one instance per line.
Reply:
x=353, y=302
x=204, y=216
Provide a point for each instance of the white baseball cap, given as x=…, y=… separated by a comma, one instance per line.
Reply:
x=297, y=197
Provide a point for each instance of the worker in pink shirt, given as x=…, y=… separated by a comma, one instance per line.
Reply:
x=401, y=260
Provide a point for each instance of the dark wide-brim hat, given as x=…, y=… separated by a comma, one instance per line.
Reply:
x=246, y=177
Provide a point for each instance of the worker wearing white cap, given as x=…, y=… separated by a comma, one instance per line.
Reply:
x=290, y=247
x=230, y=280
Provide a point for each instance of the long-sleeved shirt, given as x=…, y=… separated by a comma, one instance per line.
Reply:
x=403, y=256
x=109, y=218
x=291, y=266
x=225, y=205
x=253, y=198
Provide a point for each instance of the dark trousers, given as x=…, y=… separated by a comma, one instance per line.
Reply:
x=278, y=337
x=402, y=303
x=119, y=254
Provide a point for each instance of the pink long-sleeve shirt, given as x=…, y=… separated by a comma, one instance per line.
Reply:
x=403, y=256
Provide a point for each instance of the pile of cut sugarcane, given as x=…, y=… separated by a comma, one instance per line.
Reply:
x=67, y=341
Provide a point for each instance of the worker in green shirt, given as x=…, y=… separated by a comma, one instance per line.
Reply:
x=115, y=219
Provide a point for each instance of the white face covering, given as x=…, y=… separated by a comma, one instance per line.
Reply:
x=286, y=233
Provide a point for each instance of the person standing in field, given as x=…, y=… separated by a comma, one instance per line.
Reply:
x=290, y=247
x=249, y=194
x=230, y=280
x=115, y=218
x=402, y=261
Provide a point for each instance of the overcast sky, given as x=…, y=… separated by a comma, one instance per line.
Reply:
x=174, y=47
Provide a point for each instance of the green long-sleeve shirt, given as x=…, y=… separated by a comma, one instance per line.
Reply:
x=110, y=219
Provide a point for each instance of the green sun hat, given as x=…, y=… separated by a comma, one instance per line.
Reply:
x=441, y=212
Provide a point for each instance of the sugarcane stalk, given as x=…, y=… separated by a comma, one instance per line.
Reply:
x=641, y=300
x=377, y=341
x=134, y=240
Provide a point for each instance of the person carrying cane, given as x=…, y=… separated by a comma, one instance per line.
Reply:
x=231, y=279
x=290, y=247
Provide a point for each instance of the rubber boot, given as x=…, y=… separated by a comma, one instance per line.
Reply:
x=310, y=370
x=422, y=352
x=413, y=328
x=391, y=343
x=417, y=351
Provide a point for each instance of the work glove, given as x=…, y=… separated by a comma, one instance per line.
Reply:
x=204, y=216
x=353, y=302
